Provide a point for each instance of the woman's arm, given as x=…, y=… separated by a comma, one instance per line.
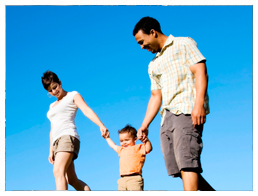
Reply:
x=89, y=113
x=51, y=154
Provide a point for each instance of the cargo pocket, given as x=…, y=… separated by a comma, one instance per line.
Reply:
x=192, y=142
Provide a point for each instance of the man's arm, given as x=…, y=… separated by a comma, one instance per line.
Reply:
x=201, y=83
x=152, y=110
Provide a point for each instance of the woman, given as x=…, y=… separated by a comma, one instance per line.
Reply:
x=64, y=139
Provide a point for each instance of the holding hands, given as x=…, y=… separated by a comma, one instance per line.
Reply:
x=104, y=132
x=142, y=134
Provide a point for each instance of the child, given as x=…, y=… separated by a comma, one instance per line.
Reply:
x=132, y=158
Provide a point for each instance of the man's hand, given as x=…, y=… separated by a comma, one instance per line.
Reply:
x=201, y=83
x=142, y=134
x=198, y=115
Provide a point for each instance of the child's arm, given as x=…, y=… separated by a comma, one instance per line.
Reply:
x=88, y=112
x=148, y=146
x=111, y=143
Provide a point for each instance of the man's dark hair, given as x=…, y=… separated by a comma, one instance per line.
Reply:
x=128, y=129
x=146, y=24
x=49, y=77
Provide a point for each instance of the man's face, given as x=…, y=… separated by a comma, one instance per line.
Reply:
x=148, y=42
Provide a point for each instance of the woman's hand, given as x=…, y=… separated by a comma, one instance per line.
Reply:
x=104, y=132
x=51, y=158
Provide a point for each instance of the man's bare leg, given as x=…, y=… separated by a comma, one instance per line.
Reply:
x=193, y=181
x=190, y=180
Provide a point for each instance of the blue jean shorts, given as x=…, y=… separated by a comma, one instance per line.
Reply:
x=181, y=144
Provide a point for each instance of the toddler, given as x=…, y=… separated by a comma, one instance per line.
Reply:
x=132, y=158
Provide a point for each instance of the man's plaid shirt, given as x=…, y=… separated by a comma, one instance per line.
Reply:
x=169, y=71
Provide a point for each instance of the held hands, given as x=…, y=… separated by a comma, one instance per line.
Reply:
x=104, y=132
x=51, y=158
x=142, y=134
x=198, y=115
x=105, y=136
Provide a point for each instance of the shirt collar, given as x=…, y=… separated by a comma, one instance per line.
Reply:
x=168, y=42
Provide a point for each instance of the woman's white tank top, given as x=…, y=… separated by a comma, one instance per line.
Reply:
x=62, y=117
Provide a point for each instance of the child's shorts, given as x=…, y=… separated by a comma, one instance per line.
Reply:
x=181, y=144
x=130, y=183
x=67, y=143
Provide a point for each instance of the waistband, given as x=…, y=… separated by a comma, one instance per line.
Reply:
x=128, y=175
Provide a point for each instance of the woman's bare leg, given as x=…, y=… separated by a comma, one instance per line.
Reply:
x=72, y=179
x=62, y=162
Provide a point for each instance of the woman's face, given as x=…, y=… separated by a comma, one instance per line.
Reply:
x=55, y=89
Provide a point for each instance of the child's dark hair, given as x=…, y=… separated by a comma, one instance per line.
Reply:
x=128, y=129
x=49, y=77
x=146, y=24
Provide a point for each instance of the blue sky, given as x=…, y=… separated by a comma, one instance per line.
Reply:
x=93, y=51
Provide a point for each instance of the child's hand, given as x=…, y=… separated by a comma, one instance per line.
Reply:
x=104, y=132
x=145, y=139
x=142, y=133
x=106, y=135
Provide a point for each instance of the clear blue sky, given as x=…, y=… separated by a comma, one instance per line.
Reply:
x=93, y=51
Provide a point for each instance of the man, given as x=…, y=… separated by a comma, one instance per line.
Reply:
x=179, y=79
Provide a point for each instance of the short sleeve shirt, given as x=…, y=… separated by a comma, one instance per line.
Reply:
x=170, y=72
x=132, y=159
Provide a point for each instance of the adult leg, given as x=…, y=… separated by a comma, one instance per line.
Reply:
x=167, y=144
x=72, y=179
x=193, y=181
x=190, y=180
x=62, y=162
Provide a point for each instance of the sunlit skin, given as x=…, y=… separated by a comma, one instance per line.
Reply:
x=126, y=140
x=64, y=171
x=152, y=42
x=56, y=90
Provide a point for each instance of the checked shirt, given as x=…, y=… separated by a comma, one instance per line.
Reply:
x=169, y=71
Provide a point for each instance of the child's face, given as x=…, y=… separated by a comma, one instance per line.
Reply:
x=127, y=140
